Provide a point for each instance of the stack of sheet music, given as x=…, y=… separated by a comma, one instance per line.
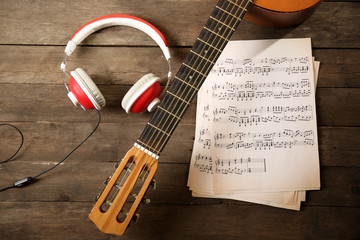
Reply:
x=256, y=134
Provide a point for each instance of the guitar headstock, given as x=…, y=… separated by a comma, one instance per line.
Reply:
x=125, y=189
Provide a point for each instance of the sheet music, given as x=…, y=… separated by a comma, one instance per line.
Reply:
x=256, y=125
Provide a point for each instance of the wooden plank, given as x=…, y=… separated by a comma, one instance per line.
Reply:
x=174, y=221
x=180, y=21
x=34, y=64
x=335, y=106
x=51, y=141
x=80, y=180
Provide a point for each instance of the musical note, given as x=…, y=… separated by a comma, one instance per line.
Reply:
x=230, y=166
x=250, y=90
x=263, y=66
x=262, y=115
x=264, y=141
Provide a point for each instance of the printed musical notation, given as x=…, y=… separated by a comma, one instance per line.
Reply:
x=230, y=166
x=263, y=141
x=257, y=115
x=263, y=66
x=250, y=90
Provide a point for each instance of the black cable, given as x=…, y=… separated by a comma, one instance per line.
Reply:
x=21, y=144
x=28, y=180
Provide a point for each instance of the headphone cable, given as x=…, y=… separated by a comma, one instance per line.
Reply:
x=28, y=180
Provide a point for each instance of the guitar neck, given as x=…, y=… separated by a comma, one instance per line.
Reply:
x=191, y=75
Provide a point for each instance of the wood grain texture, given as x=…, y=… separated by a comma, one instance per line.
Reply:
x=28, y=22
x=41, y=65
x=33, y=37
x=32, y=101
x=222, y=222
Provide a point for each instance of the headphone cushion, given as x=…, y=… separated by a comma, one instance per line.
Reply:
x=91, y=88
x=137, y=89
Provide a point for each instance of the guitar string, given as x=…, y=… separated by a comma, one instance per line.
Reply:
x=122, y=181
x=230, y=32
x=227, y=16
x=147, y=157
x=220, y=4
x=143, y=170
x=146, y=171
x=201, y=60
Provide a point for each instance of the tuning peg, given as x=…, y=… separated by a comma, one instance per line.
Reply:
x=134, y=218
x=145, y=200
x=107, y=180
x=97, y=197
x=152, y=184
x=116, y=165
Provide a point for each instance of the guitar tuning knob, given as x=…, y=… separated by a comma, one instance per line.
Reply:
x=97, y=197
x=116, y=165
x=152, y=184
x=145, y=200
x=107, y=180
x=134, y=218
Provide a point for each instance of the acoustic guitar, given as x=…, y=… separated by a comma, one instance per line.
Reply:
x=116, y=206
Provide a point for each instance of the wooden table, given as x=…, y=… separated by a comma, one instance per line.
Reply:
x=33, y=97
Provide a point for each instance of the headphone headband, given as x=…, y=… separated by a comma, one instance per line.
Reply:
x=117, y=20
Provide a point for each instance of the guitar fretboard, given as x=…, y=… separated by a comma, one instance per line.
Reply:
x=193, y=72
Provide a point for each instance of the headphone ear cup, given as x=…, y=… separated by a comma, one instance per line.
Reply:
x=143, y=93
x=85, y=90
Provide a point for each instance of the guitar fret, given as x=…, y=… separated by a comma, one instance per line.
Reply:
x=209, y=45
x=224, y=24
x=207, y=48
x=153, y=126
x=172, y=114
x=202, y=57
x=216, y=34
x=238, y=5
x=227, y=12
x=148, y=147
x=178, y=97
x=194, y=69
x=186, y=83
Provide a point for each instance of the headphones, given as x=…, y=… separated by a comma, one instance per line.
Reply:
x=144, y=94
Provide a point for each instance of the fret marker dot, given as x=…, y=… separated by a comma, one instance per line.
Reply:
x=205, y=51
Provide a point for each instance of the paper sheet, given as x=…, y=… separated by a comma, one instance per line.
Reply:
x=256, y=136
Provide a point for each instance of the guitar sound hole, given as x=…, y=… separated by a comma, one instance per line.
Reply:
x=119, y=183
x=134, y=194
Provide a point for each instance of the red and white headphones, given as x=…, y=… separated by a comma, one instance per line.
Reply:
x=144, y=94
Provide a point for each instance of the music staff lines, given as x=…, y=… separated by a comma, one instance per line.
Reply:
x=264, y=66
x=230, y=166
x=251, y=90
x=264, y=141
x=255, y=116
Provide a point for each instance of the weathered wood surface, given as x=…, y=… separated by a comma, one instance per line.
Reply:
x=33, y=36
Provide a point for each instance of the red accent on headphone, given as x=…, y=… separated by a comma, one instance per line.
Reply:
x=146, y=98
x=80, y=94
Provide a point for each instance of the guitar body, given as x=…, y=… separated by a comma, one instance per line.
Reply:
x=281, y=13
